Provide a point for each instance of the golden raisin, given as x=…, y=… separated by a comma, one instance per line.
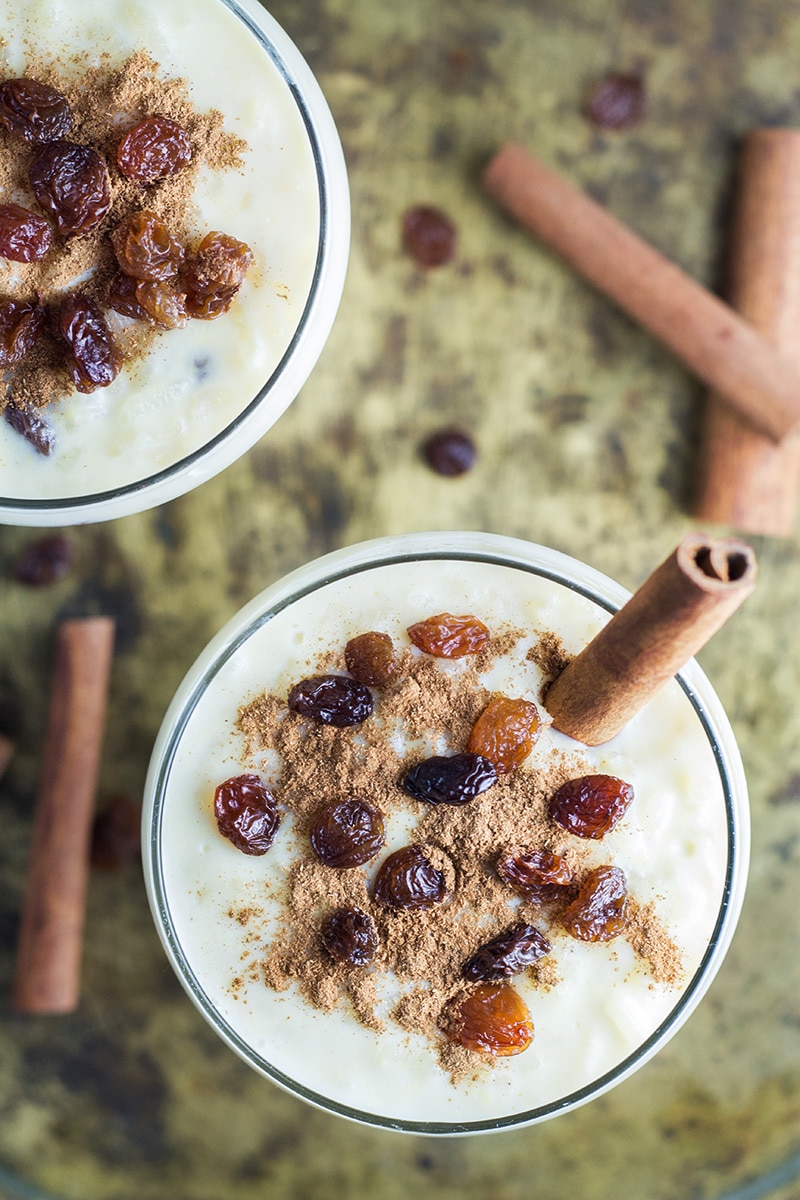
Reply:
x=370, y=658
x=591, y=805
x=154, y=149
x=505, y=732
x=214, y=275
x=537, y=875
x=600, y=910
x=492, y=1018
x=446, y=636
x=145, y=248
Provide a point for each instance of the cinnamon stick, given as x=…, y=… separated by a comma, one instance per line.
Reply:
x=51, y=931
x=709, y=336
x=665, y=622
x=745, y=480
x=6, y=753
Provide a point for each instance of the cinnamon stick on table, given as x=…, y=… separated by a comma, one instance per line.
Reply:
x=745, y=480
x=6, y=753
x=51, y=931
x=709, y=336
x=664, y=623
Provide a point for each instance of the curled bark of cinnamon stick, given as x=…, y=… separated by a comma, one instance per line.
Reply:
x=710, y=337
x=51, y=930
x=673, y=614
x=745, y=480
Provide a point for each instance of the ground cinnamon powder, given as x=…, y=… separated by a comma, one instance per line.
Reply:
x=423, y=949
x=106, y=101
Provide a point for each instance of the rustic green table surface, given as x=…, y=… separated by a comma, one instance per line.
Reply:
x=587, y=436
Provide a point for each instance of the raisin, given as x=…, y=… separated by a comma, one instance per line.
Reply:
x=449, y=779
x=446, y=636
x=505, y=732
x=408, y=879
x=493, y=1018
x=158, y=302
x=617, y=101
x=24, y=236
x=31, y=425
x=71, y=184
x=370, y=658
x=449, y=452
x=214, y=275
x=331, y=700
x=590, y=806
x=429, y=236
x=507, y=954
x=537, y=875
x=36, y=111
x=247, y=813
x=349, y=936
x=21, y=324
x=153, y=149
x=347, y=833
x=116, y=834
x=600, y=910
x=122, y=297
x=94, y=360
x=145, y=248
x=44, y=561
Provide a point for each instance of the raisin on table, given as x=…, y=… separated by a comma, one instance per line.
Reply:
x=35, y=110
x=347, y=833
x=492, y=1018
x=71, y=183
x=247, y=813
x=591, y=805
x=154, y=149
x=93, y=361
x=617, y=101
x=600, y=910
x=370, y=658
x=21, y=324
x=449, y=779
x=214, y=275
x=429, y=236
x=450, y=452
x=408, y=879
x=507, y=954
x=331, y=700
x=349, y=936
x=505, y=732
x=145, y=248
x=24, y=235
x=44, y=561
x=446, y=636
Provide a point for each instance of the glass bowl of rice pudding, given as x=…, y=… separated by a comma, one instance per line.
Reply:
x=368, y=1042
x=200, y=395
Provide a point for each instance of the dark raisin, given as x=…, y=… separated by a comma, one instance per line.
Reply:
x=617, y=101
x=347, y=833
x=214, y=275
x=24, y=236
x=36, y=111
x=408, y=879
x=492, y=1018
x=116, y=835
x=591, y=805
x=71, y=184
x=32, y=426
x=446, y=636
x=331, y=700
x=507, y=954
x=44, y=561
x=429, y=236
x=145, y=248
x=349, y=936
x=451, y=779
x=537, y=875
x=505, y=732
x=449, y=452
x=600, y=911
x=93, y=361
x=21, y=324
x=247, y=813
x=153, y=149
x=370, y=658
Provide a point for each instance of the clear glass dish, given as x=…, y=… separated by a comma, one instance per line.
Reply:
x=224, y=663
x=203, y=396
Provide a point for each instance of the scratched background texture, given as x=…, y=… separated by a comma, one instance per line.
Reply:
x=587, y=434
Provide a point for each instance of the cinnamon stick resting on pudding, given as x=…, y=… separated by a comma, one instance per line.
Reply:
x=51, y=930
x=710, y=337
x=664, y=623
x=745, y=480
